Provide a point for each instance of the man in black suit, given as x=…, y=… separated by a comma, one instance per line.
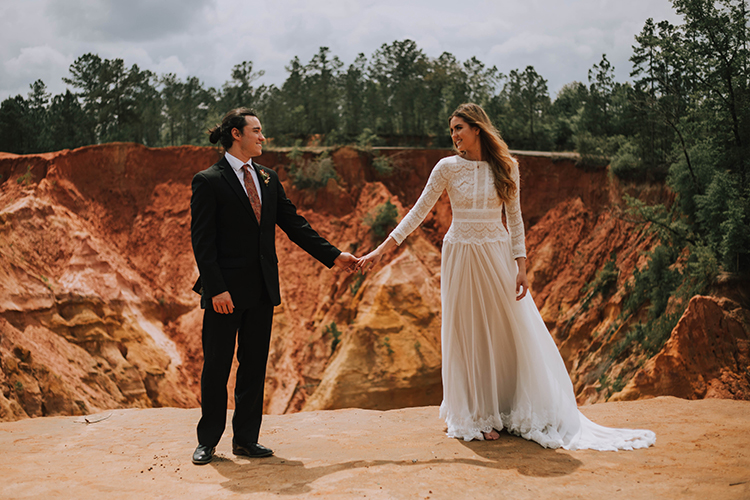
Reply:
x=236, y=206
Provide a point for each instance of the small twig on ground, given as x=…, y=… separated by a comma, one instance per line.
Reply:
x=92, y=420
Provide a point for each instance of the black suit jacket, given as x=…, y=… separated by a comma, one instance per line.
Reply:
x=232, y=251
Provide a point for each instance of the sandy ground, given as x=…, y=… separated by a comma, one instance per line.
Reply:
x=702, y=451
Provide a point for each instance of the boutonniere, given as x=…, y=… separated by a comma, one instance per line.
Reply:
x=266, y=177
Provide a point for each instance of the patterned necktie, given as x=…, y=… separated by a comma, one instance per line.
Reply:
x=252, y=192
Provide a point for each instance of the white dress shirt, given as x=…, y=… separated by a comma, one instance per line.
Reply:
x=236, y=165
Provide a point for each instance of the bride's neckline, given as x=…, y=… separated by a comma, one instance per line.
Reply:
x=474, y=162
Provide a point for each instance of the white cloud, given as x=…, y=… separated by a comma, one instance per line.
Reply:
x=31, y=64
x=528, y=43
x=32, y=59
x=205, y=38
x=131, y=20
x=171, y=64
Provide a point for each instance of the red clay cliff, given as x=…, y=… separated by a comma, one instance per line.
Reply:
x=97, y=311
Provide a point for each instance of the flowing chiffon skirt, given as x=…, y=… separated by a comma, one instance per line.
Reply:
x=501, y=367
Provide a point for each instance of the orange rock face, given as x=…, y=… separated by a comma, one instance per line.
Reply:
x=96, y=270
x=707, y=356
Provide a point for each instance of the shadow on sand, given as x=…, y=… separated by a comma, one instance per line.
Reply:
x=281, y=476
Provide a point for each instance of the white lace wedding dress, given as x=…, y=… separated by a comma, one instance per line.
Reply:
x=501, y=367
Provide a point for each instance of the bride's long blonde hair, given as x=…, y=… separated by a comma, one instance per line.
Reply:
x=494, y=150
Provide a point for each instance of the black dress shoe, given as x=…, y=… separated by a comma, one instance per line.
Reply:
x=203, y=454
x=254, y=450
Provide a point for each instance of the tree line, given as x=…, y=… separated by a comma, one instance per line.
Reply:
x=399, y=96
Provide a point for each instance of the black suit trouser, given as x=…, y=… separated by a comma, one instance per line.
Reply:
x=251, y=328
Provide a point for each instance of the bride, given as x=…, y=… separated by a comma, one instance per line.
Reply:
x=501, y=368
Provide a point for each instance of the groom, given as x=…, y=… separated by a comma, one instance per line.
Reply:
x=235, y=207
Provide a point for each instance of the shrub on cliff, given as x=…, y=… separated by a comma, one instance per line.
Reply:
x=382, y=219
x=626, y=162
x=313, y=174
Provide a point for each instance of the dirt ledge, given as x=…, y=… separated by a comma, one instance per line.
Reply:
x=701, y=452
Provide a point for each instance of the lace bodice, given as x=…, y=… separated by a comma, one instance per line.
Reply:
x=477, y=209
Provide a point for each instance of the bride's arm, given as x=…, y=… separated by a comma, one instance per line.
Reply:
x=435, y=186
x=517, y=234
x=515, y=220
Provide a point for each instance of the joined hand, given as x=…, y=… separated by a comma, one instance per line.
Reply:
x=368, y=261
x=347, y=261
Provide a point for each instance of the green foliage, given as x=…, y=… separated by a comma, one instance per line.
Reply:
x=596, y=151
x=26, y=178
x=604, y=282
x=382, y=164
x=366, y=139
x=186, y=109
x=296, y=153
x=665, y=285
x=334, y=332
x=387, y=345
x=618, y=384
x=626, y=163
x=15, y=126
x=18, y=386
x=311, y=174
x=356, y=283
x=655, y=283
x=68, y=124
x=610, y=386
x=565, y=115
x=382, y=219
x=122, y=103
x=694, y=91
x=398, y=96
x=527, y=102
x=723, y=215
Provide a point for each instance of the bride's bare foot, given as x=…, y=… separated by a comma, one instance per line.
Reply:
x=491, y=436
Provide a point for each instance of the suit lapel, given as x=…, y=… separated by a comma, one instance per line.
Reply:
x=228, y=173
x=263, y=190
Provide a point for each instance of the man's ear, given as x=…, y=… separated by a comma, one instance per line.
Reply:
x=236, y=133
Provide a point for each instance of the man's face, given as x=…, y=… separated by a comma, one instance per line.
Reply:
x=250, y=140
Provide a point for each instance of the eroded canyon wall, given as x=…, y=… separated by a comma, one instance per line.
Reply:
x=97, y=311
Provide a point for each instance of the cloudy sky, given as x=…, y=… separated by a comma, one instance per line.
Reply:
x=205, y=38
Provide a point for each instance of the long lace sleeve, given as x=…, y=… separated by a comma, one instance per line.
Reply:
x=515, y=221
x=436, y=184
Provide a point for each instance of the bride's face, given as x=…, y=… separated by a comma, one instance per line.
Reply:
x=465, y=137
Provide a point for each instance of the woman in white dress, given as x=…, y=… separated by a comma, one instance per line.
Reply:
x=501, y=368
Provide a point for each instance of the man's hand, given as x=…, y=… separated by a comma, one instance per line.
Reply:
x=347, y=261
x=223, y=303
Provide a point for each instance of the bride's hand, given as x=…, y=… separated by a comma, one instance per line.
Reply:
x=522, y=286
x=522, y=282
x=368, y=261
